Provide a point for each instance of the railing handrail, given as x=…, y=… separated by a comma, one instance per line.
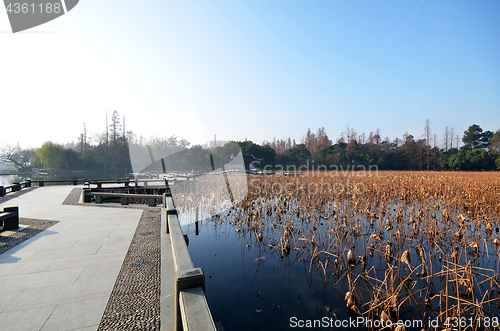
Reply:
x=17, y=186
x=194, y=310
x=123, y=195
x=191, y=308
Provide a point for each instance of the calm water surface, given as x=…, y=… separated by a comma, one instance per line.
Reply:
x=8, y=179
x=251, y=286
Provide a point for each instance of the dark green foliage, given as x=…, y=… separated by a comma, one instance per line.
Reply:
x=475, y=138
x=481, y=152
x=472, y=137
x=494, y=144
x=193, y=159
x=298, y=155
x=476, y=160
x=222, y=155
x=110, y=156
x=266, y=153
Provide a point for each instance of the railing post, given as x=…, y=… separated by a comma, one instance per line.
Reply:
x=16, y=187
x=168, y=204
x=41, y=183
x=2, y=191
x=28, y=182
x=186, y=279
x=86, y=198
x=165, y=199
x=197, y=229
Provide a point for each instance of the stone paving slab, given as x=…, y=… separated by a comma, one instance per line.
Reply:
x=7, y=269
x=39, y=279
x=62, y=278
x=73, y=315
x=86, y=261
x=23, y=320
x=62, y=293
x=31, y=228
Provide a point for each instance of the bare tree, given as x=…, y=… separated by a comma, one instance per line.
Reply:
x=107, y=128
x=362, y=138
x=377, y=137
x=349, y=133
x=370, y=138
x=451, y=138
x=427, y=134
x=20, y=158
x=341, y=139
x=115, y=126
x=434, y=151
x=397, y=142
x=446, y=138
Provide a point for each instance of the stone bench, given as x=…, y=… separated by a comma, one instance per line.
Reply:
x=9, y=218
x=124, y=197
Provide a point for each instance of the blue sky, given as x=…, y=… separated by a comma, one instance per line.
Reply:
x=254, y=69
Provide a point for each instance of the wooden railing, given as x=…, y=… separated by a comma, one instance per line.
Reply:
x=14, y=187
x=98, y=183
x=99, y=197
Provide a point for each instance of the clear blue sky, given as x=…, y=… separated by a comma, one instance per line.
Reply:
x=254, y=69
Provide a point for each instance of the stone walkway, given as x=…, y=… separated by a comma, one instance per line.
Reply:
x=62, y=278
x=134, y=303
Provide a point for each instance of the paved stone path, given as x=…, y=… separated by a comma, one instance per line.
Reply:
x=62, y=278
x=134, y=303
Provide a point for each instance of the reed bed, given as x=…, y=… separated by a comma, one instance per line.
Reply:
x=396, y=245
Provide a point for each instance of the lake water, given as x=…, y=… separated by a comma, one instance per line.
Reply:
x=9, y=179
x=254, y=288
x=251, y=286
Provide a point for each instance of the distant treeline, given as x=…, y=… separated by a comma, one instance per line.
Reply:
x=109, y=154
x=480, y=150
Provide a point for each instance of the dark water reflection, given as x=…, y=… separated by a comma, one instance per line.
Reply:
x=249, y=286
